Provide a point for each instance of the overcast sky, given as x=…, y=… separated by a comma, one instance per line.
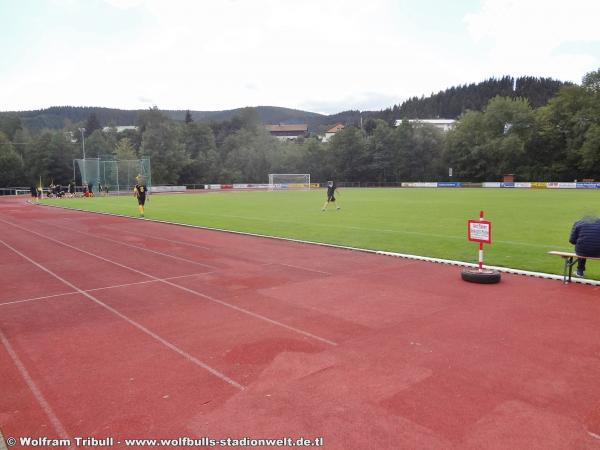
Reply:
x=319, y=55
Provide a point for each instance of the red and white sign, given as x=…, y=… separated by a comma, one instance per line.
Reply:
x=480, y=231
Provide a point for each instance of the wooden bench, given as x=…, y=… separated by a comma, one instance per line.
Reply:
x=570, y=260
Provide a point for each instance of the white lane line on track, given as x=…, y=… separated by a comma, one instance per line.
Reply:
x=125, y=244
x=132, y=322
x=191, y=291
x=37, y=393
x=292, y=266
x=14, y=302
x=176, y=242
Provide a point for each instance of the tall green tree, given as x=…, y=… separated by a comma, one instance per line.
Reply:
x=124, y=150
x=11, y=165
x=92, y=124
x=248, y=155
x=100, y=144
x=427, y=148
x=162, y=144
x=590, y=153
x=509, y=127
x=9, y=125
x=348, y=153
x=58, y=160
x=198, y=139
x=383, y=149
x=591, y=81
x=465, y=148
x=151, y=118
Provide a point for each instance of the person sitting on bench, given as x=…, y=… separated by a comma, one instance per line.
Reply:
x=585, y=236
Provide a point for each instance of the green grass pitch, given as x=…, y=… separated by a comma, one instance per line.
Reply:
x=527, y=223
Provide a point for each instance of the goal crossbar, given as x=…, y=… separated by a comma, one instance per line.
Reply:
x=289, y=181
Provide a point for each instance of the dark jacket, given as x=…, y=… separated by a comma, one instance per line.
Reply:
x=585, y=236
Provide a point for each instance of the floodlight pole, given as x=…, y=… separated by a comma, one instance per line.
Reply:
x=84, y=180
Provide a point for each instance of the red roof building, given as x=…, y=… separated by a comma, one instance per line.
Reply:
x=332, y=131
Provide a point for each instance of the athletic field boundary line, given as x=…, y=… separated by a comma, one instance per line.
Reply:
x=178, y=286
x=103, y=288
x=35, y=390
x=548, y=276
x=149, y=250
x=189, y=357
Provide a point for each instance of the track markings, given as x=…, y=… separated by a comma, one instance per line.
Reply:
x=37, y=393
x=183, y=288
x=178, y=242
x=14, y=302
x=197, y=246
x=191, y=261
x=301, y=268
x=132, y=322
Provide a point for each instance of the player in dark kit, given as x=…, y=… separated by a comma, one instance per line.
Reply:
x=331, y=188
x=139, y=191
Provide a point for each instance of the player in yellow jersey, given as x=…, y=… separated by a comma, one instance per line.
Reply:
x=139, y=191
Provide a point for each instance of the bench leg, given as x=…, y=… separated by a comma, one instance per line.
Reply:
x=569, y=263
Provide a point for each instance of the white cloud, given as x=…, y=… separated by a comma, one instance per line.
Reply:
x=526, y=36
x=326, y=55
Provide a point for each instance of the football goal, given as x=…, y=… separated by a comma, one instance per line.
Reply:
x=116, y=175
x=289, y=181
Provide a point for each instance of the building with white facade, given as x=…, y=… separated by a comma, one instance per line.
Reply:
x=441, y=124
x=332, y=131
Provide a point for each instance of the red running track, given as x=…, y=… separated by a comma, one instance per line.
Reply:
x=124, y=328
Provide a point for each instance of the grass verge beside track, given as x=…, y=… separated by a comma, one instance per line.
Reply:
x=527, y=223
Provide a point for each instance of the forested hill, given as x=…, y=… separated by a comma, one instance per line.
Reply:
x=448, y=104
x=452, y=102
x=57, y=117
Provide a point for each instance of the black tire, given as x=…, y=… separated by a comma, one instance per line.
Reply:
x=486, y=276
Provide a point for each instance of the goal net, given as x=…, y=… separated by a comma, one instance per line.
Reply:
x=289, y=181
x=116, y=175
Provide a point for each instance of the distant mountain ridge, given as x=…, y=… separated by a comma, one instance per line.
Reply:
x=57, y=117
x=448, y=104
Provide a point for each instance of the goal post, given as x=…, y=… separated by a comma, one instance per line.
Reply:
x=116, y=175
x=289, y=181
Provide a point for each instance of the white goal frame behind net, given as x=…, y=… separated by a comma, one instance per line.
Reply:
x=298, y=181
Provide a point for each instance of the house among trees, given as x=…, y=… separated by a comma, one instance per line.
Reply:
x=292, y=131
x=332, y=131
x=441, y=124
